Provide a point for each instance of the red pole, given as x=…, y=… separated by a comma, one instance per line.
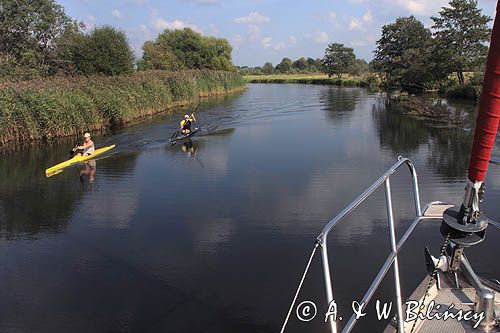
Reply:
x=489, y=109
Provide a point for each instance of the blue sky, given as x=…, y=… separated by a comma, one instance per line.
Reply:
x=261, y=30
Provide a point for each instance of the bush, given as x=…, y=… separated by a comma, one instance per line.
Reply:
x=466, y=91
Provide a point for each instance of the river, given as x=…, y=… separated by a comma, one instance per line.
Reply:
x=214, y=236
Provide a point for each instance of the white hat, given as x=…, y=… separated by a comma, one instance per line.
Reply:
x=86, y=135
x=186, y=116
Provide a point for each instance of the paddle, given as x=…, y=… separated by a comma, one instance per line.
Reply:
x=72, y=151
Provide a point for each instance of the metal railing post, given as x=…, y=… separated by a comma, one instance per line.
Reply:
x=416, y=194
x=328, y=281
x=395, y=264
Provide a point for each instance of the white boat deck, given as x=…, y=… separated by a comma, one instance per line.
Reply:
x=461, y=298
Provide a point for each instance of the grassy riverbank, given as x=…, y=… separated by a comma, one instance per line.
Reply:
x=58, y=107
x=344, y=80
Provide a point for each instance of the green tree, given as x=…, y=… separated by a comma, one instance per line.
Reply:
x=338, y=59
x=402, y=54
x=28, y=29
x=300, y=64
x=462, y=31
x=359, y=67
x=268, y=68
x=186, y=48
x=67, y=50
x=285, y=66
x=105, y=51
x=156, y=57
x=312, y=65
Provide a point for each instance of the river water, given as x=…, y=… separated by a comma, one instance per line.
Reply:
x=214, y=236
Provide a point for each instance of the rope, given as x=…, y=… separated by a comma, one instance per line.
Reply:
x=298, y=289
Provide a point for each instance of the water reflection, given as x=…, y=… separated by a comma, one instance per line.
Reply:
x=87, y=168
x=30, y=202
x=234, y=213
x=448, y=146
x=339, y=102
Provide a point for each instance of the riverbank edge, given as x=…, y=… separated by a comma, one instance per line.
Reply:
x=458, y=92
x=64, y=107
x=325, y=81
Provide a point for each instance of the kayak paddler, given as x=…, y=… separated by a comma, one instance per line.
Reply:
x=185, y=124
x=87, y=148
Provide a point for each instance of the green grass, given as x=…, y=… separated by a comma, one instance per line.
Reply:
x=64, y=106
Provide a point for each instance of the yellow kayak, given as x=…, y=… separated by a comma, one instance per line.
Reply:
x=58, y=168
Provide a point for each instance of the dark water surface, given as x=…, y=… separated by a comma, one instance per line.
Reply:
x=214, y=237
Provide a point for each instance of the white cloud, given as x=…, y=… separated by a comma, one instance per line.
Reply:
x=279, y=46
x=332, y=16
x=422, y=7
x=266, y=42
x=236, y=41
x=117, y=14
x=205, y=2
x=415, y=7
x=252, y=18
x=355, y=24
x=367, y=17
x=91, y=18
x=318, y=36
x=321, y=37
x=253, y=32
x=161, y=24
x=292, y=40
x=360, y=24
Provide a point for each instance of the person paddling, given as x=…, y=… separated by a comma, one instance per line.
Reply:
x=185, y=124
x=87, y=148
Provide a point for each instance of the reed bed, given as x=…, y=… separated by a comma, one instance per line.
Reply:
x=65, y=106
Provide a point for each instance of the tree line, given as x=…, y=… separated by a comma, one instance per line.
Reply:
x=412, y=57
x=408, y=55
x=37, y=38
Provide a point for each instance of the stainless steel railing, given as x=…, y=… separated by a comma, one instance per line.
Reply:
x=392, y=259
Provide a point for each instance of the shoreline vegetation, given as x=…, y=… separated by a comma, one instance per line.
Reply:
x=447, y=57
x=59, y=78
x=55, y=107
x=453, y=90
x=344, y=81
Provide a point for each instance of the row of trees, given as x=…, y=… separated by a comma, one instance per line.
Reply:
x=338, y=59
x=37, y=38
x=286, y=66
x=413, y=57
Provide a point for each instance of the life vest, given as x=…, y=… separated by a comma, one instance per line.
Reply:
x=186, y=123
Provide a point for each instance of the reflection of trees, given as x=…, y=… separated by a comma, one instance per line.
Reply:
x=448, y=147
x=31, y=203
x=400, y=133
x=123, y=163
x=339, y=102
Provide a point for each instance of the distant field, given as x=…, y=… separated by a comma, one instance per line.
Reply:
x=345, y=80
